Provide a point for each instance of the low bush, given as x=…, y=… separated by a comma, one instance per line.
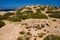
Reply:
x=47, y=24
x=54, y=20
x=29, y=8
x=54, y=15
x=27, y=38
x=20, y=38
x=18, y=11
x=52, y=37
x=42, y=9
x=34, y=38
x=49, y=11
x=34, y=7
x=52, y=12
x=6, y=16
x=33, y=16
x=14, y=19
x=28, y=12
x=1, y=23
x=41, y=35
x=0, y=17
x=9, y=14
x=38, y=11
x=38, y=16
x=42, y=25
x=28, y=33
x=22, y=32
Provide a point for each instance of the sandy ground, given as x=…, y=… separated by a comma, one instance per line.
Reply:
x=11, y=30
x=2, y=13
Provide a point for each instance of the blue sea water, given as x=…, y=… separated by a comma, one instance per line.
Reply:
x=7, y=9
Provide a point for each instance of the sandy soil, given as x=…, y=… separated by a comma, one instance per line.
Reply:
x=11, y=30
x=2, y=13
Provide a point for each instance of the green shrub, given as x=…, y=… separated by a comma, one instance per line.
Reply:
x=52, y=12
x=34, y=7
x=28, y=27
x=24, y=17
x=6, y=16
x=18, y=11
x=27, y=38
x=44, y=30
x=14, y=19
x=42, y=9
x=54, y=20
x=49, y=11
x=38, y=11
x=27, y=12
x=41, y=35
x=47, y=31
x=55, y=8
x=9, y=14
x=38, y=16
x=34, y=16
x=0, y=17
x=35, y=39
x=56, y=12
x=36, y=26
x=52, y=8
x=52, y=37
x=20, y=38
x=47, y=24
x=28, y=33
x=1, y=23
x=54, y=15
x=22, y=32
x=25, y=24
x=29, y=8
x=42, y=25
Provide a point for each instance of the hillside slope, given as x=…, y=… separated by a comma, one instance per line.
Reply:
x=33, y=22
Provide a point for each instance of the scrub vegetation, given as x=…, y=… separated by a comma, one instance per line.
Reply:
x=52, y=37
